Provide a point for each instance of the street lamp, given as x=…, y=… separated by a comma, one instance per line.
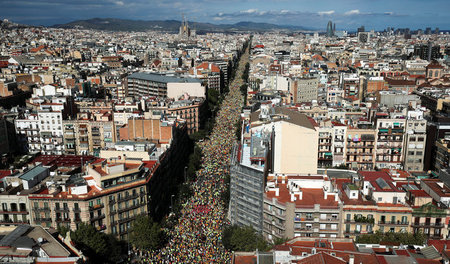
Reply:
x=171, y=202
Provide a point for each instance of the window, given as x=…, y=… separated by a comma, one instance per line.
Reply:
x=323, y=226
x=404, y=219
x=380, y=199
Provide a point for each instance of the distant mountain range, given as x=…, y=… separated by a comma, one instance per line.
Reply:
x=115, y=24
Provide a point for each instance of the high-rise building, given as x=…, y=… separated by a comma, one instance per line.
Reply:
x=427, y=51
x=361, y=29
x=330, y=29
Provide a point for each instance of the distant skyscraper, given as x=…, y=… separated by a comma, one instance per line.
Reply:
x=330, y=29
x=428, y=31
x=361, y=29
x=436, y=31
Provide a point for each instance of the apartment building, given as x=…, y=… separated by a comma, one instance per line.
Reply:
x=339, y=132
x=108, y=196
x=367, y=207
x=350, y=84
x=325, y=158
x=389, y=142
x=442, y=154
x=358, y=213
x=209, y=72
x=293, y=133
x=427, y=217
x=150, y=84
x=414, y=145
x=27, y=130
x=304, y=89
x=360, y=148
x=300, y=206
x=15, y=207
x=334, y=94
x=189, y=111
x=247, y=177
x=51, y=132
x=88, y=136
x=154, y=130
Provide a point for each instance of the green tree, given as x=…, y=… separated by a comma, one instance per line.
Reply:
x=146, y=234
x=279, y=241
x=62, y=230
x=236, y=238
x=393, y=237
x=96, y=245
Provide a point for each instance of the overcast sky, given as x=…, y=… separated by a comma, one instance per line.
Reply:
x=347, y=14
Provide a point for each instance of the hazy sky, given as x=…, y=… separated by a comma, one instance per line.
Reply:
x=347, y=14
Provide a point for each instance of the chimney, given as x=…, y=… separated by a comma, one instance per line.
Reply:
x=351, y=259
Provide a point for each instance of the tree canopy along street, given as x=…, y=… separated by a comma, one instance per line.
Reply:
x=197, y=237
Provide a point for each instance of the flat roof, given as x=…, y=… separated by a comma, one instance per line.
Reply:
x=154, y=77
x=31, y=174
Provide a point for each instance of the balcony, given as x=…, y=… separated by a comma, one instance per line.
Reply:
x=63, y=220
x=76, y=210
x=392, y=223
x=128, y=208
x=58, y=209
x=42, y=219
x=13, y=222
x=126, y=219
x=126, y=198
x=97, y=217
x=356, y=232
x=13, y=212
x=435, y=225
x=330, y=219
x=39, y=209
x=95, y=207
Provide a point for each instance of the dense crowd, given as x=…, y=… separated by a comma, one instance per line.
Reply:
x=197, y=236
